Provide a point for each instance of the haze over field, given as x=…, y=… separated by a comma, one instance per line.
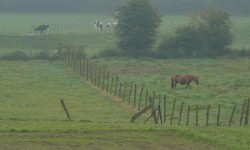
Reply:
x=103, y=86
x=107, y=6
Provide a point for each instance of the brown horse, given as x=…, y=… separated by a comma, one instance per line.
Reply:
x=184, y=79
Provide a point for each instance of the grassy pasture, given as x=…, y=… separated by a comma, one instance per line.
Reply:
x=16, y=30
x=32, y=118
x=222, y=82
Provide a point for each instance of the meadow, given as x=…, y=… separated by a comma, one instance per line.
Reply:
x=31, y=116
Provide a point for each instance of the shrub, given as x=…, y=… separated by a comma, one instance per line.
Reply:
x=109, y=52
x=17, y=55
x=207, y=35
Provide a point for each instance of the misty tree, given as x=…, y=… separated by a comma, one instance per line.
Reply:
x=215, y=27
x=138, y=22
x=207, y=34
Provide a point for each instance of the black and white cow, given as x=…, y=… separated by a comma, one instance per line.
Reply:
x=41, y=28
x=98, y=25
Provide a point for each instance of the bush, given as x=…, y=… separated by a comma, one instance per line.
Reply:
x=207, y=35
x=17, y=55
x=109, y=52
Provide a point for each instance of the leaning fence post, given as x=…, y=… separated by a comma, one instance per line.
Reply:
x=159, y=106
x=180, y=115
x=139, y=105
x=231, y=117
x=242, y=111
x=65, y=109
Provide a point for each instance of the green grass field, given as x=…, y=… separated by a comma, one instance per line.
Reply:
x=77, y=29
x=31, y=116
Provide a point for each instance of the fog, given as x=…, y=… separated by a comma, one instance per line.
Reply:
x=241, y=7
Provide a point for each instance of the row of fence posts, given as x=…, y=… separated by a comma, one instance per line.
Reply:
x=109, y=82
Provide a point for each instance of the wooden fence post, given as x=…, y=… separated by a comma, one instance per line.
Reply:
x=247, y=113
x=188, y=114
x=197, y=116
x=243, y=111
x=231, y=117
x=107, y=86
x=111, y=86
x=159, y=113
x=103, y=77
x=116, y=83
x=124, y=92
x=218, y=116
x=65, y=109
x=83, y=68
x=99, y=77
x=165, y=108
x=95, y=75
x=135, y=96
x=91, y=72
x=207, y=118
x=159, y=106
x=173, y=110
x=130, y=92
x=146, y=98
x=120, y=89
x=180, y=115
x=139, y=105
x=80, y=66
x=87, y=72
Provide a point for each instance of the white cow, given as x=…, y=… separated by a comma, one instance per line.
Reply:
x=110, y=26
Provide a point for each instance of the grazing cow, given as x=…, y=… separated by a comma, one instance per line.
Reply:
x=98, y=25
x=110, y=26
x=41, y=28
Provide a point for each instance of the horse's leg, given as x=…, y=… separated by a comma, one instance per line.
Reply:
x=188, y=85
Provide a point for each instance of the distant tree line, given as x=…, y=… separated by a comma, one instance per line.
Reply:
x=208, y=33
x=109, y=6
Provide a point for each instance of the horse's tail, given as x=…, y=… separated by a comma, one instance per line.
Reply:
x=172, y=82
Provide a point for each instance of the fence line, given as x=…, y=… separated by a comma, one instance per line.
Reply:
x=110, y=82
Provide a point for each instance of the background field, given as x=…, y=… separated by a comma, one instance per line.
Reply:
x=77, y=29
x=31, y=116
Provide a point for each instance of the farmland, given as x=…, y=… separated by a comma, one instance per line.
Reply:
x=31, y=116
